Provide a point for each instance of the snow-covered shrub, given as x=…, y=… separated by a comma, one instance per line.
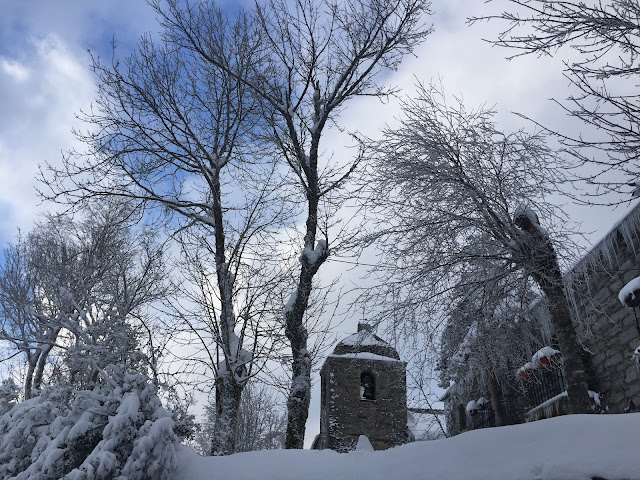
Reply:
x=25, y=431
x=9, y=392
x=137, y=441
x=117, y=430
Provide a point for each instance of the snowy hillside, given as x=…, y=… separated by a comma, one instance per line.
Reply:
x=578, y=447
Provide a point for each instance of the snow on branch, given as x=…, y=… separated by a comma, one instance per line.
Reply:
x=313, y=255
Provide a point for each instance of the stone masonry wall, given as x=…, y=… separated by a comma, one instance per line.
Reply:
x=345, y=415
x=607, y=327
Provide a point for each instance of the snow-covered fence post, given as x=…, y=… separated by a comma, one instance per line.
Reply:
x=629, y=296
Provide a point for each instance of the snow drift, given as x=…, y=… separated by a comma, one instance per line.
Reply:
x=575, y=447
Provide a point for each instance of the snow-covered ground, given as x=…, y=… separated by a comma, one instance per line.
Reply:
x=576, y=447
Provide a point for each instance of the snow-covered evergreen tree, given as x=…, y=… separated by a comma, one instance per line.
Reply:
x=9, y=393
x=78, y=290
x=118, y=429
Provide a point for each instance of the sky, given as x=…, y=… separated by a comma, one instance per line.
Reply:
x=45, y=81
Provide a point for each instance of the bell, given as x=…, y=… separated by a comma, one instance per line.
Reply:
x=369, y=387
x=369, y=392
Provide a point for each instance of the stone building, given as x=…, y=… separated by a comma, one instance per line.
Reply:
x=608, y=330
x=363, y=386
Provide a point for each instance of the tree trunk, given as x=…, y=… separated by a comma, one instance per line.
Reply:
x=32, y=360
x=228, y=395
x=39, y=371
x=495, y=397
x=576, y=374
x=298, y=402
x=42, y=361
x=300, y=392
x=228, y=389
x=546, y=273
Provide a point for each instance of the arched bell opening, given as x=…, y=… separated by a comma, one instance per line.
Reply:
x=367, y=386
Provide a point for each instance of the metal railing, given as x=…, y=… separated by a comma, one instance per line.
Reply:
x=543, y=384
x=483, y=418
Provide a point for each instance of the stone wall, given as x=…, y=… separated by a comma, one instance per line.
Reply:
x=608, y=328
x=345, y=415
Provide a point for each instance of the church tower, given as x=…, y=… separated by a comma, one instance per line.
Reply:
x=364, y=392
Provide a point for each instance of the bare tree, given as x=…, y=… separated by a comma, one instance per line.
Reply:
x=69, y=285
x=259, y=286
x=19, y=328
x=487, y=334
x=261, y=421
x=311, y=57
x=604, y=42
x=456, y=197
x=175, y=132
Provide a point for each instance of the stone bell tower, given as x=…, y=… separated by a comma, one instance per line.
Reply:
x=364, y=392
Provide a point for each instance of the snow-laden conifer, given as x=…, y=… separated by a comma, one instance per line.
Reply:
x=118, y=429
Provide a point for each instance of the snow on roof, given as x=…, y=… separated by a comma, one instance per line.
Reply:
x=628, y=227
x=366, y=341
x=363, y=337
x=450, y=389
x=568, y=447
x=365, y=356
x=606, y=253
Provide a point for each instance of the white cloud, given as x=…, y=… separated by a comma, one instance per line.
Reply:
x=36, y=121
x=480, y=74
x=14, y=69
